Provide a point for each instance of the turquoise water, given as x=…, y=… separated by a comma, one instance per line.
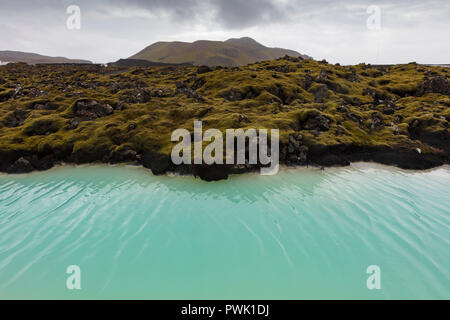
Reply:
x=304, y=233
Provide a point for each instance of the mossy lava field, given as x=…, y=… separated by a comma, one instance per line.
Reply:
x=326, y=114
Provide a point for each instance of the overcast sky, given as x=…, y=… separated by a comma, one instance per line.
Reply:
x=411, y=30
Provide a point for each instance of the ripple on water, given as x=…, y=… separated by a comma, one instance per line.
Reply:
x=300, y=234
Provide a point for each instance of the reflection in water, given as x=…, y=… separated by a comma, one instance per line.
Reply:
x=301, y=234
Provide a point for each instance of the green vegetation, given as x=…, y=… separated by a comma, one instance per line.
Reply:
x=88, y=113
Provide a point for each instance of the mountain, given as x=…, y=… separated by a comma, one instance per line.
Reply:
x=34, y=58
x=233, y=52
x=145, y=63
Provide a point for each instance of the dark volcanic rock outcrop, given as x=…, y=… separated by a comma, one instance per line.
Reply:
x=20, y=166
x=91, y=109
x=16, y=118
x=437, y=84
x=158, y=163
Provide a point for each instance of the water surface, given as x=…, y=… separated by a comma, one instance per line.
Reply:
x=302, y=234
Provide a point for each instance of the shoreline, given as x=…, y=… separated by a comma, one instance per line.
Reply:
x=357, y=166
x=317, y=156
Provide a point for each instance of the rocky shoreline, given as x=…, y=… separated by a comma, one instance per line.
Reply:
x=327, y=115
x=159, y=164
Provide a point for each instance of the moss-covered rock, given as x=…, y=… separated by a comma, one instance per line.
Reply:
x=96, y=113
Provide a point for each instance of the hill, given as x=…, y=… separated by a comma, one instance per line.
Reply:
x=145, y=63
x=34, y=58
x=230, y=53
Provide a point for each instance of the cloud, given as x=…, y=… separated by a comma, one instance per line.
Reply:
x=237, y=14
x=231, y=14
x=335, y=30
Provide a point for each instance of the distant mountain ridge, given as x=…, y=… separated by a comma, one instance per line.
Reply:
x=233, y=52
x=145, y=63
x=34, y=58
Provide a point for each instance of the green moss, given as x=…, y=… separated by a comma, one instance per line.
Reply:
x=277, y=94
x=43, y=126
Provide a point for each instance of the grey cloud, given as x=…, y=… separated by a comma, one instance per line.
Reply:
x=336, y=30
x=237, y=13
x=230, y=14
x=178, y=9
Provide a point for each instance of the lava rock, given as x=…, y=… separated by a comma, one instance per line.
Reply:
x=307, y=82
x=124, y=154
x=211, y=172
x=73, y=123
x=437, y=84
x=91, y=109
x=243, y=118
x=322, y=77
x=16, y=119
x=141, y=96
x=352, y=76
x=389, y=108
x=317, y=123
x=377, y=121
x=184, y=88
x=414, y=129
x=158, y=163
x=233, y=95
x=282, y=69
x=320, y=93
x=20, y=166
x=132, y=126
x=203, y=69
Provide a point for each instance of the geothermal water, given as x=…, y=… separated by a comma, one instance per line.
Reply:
x=301, y=234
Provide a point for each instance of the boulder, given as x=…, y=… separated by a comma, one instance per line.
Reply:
x=140, y=96
x=211, y=172
x=317, y=123
x=34, y=93
x=158, y=163
x=437, y=84
x=395, y=128
x=414, y=129
x=320, y=93
x=303, y=156
x=389, y=108
x=16, y=119
x=132, y=126
x=203, y=69
x=20, y=166
x=73, y=123
x=91, y=109
x=376, y=121
x=233, y=95
x=243, y=118
x=322, y=77
x=352, y=76
x=18, y=92
x=294, y=143
x=282, y=69
x=184, y=88
x=124, y=154
x=307, y=82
